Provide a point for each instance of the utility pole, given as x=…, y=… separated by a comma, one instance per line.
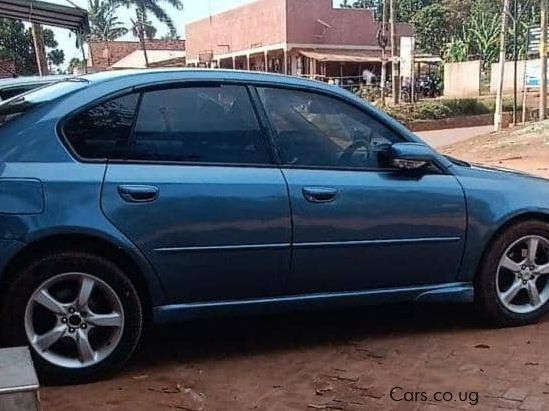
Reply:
x=382, y=40
x=498, y=116
x=395, y=65
x=543, y=57
x=515, y=60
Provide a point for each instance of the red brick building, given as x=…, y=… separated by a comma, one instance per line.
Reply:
x=298, y=37
x=7, y=69
x=103, y=55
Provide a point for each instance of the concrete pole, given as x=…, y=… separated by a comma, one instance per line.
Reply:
x=395, y=64
x=543, y=56
x=498, y=115
x=39, y=49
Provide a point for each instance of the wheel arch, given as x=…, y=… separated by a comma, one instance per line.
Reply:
x=509, y=222
x=91, y=243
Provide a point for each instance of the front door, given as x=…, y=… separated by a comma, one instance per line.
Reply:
x=195, y=190
x=359, y=225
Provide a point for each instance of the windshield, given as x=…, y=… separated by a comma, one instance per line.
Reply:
x=22, y=103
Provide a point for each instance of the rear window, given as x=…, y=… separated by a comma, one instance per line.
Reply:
x=14, y=107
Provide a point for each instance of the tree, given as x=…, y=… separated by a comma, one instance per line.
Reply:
x=485, y=30
x=407, y=9
x=16, y=45
x=433, y=28
x=75, y=63
x=144, y=7
x=104, y=25
x=376, y=5
x=148, y=28
x=56, y=57
x=457, y=50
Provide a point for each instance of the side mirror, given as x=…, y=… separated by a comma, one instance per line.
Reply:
x=411, y=156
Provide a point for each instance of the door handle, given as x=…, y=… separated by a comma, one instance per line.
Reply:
x=319, y=194
x=138, y=194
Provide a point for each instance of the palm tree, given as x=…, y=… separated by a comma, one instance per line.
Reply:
x=143, y=7
x=105, y=26
x=148, y=28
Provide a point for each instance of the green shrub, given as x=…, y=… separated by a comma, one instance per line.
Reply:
x=432, y=111
x=446, y=108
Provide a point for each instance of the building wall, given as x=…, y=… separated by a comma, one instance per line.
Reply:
x=462, y=79
x=272, y=22
x=348, y=27
x=120, y=49
x=258, y=24
x=508, y=78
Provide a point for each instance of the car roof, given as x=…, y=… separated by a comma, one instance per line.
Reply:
x=30, y=80
x=146, y=75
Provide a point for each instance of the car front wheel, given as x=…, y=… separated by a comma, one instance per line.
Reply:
x=78, y=312
x=512, y=287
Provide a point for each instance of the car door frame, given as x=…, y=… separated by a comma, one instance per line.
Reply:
x=441, y=165
x=157, y=85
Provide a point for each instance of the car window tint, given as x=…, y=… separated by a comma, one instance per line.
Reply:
x=102, y=131
x=15, y=91
x=199, y=125
x=317, y=130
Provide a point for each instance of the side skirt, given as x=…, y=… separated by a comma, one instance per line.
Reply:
x=440, y=293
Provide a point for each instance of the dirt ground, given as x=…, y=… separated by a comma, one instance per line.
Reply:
x=375, y=358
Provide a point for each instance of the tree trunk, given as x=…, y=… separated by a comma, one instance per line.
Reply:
x=39, y=49
x=141, y=32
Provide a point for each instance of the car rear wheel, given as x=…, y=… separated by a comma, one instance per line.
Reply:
x=79, y=313
x=512, y=287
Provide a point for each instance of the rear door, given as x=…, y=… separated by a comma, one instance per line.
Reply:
x=195, y=190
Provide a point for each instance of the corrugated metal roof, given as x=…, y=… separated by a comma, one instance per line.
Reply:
x=137, y=58
x=343, y=56
x=49, y=14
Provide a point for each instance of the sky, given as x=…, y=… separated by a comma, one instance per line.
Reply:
x=193, y=10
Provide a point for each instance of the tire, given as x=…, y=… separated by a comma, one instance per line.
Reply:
x=489, y=289
x=66, y=273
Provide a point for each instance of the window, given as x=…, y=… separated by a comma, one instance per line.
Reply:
x=315, y=130
x=198, y=124
x=10, y=92
x=102, y=131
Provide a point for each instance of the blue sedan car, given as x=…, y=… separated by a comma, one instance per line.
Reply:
x=167, y=195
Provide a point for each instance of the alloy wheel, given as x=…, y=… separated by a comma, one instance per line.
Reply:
x=523, y=274
x=74, y=320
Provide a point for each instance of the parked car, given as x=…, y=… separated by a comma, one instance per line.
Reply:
x=12, y=87
x=167, y=195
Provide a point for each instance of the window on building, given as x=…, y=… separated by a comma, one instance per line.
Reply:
x=317, y=130
x=199, y=125
x=102, y=131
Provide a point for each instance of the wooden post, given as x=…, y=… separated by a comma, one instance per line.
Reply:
x=498, y=115
x=383, y=80
x=395, y=64
x=39, y=50
x=543, y=57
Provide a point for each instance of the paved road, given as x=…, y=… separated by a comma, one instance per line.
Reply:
x=441, y=138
